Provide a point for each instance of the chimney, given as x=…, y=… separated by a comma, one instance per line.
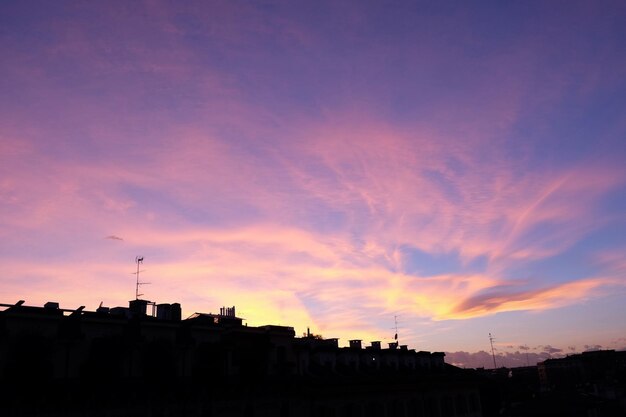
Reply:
x=355, y=344
x=138, y=307
x=164, y=311
x=102, y=310
x=376, y=345
x=176, y=312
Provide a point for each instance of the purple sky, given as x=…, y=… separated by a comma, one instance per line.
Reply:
x=323, y=164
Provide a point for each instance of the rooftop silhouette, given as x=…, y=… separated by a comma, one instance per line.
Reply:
x=144, y=359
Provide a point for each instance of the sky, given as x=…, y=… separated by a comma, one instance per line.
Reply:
x=339, y=165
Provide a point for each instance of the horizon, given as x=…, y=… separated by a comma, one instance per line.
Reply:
x=327, y=165
x=509, y=357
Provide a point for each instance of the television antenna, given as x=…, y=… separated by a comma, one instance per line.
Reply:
x=138, y=261
x=395, y=326
x=491, y=339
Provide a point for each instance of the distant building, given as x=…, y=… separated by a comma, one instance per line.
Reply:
x=584, y=368
x=592, y=382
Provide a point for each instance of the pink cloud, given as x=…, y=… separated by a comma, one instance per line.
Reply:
x=377, y=182
x=540, y=299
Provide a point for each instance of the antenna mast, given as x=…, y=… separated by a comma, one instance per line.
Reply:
x=138, y=260
x=395, y=321
x=492, y=352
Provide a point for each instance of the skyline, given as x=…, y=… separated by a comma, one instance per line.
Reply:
x=323, y=165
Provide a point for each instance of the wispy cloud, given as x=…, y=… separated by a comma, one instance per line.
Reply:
x=366, y=197
x=259, y=157
x=512, y=299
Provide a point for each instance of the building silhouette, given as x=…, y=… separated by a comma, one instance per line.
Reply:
x=588, y=384
x=594, y=383
x=145, y=360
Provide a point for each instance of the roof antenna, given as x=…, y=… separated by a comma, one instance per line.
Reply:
x=139, y=260
x=492, y=352
x=395, y=321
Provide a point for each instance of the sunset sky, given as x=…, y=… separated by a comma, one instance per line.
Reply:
x=324, y=164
